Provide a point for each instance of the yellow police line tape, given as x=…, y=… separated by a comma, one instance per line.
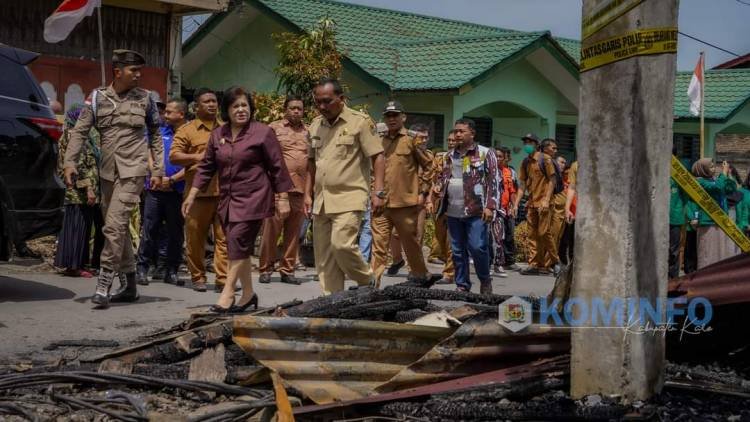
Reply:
x=691, y=186
x=605, y=15
x=641, y=42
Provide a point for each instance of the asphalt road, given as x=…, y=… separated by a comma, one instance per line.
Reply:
x=39, y=307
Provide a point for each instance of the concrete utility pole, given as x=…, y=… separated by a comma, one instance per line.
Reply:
x=625, y=127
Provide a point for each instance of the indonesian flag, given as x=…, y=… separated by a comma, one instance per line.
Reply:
x=694, y=90
x=70, y=13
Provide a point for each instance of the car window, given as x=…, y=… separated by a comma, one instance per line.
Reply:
x=17, y=83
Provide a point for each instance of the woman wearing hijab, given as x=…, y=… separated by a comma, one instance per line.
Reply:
x=713, y=244
x=743, y=207
x=80, y=202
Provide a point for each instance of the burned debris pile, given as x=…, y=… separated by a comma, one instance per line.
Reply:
x=404, y=352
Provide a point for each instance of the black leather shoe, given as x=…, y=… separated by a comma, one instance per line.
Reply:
x=393, y=269
x=141, y=277
x=290, y=279
x=128, y=291
x=235, y=309
x=264, y=278
x=216, y=309
x=171, y=278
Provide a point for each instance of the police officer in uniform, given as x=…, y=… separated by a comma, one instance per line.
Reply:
x=128, y=122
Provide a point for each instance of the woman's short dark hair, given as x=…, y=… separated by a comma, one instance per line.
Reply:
x=293, y=97
x=230, y=96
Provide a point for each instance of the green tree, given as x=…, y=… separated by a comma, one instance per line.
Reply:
x=306, y=58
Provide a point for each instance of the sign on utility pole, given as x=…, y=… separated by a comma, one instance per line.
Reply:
x=625, y=124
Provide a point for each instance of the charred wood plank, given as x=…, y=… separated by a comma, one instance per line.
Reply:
x=406, y=292
x=329, y=306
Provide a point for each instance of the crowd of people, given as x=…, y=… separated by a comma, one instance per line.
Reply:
x=220, y=178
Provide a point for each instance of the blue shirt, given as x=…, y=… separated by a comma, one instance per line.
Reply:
x=167, y=134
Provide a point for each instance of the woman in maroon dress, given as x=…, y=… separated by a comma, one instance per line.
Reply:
x=253, y=181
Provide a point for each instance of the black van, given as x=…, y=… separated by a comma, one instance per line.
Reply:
x=31, y=193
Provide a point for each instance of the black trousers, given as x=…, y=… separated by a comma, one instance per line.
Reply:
x=674, y=251
x=691, y=251
x=567, y=244
x=159, y=208
x=509, y=242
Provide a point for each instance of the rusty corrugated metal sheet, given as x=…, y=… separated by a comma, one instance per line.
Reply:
x=723, y=283
x=334, y=359
x=556, y=366
x=478, y=346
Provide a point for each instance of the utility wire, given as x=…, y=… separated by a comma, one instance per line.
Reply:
x=709, y=44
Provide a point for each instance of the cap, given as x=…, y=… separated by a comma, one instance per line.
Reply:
x=393, y=107
x=532, y=137
x=128, y=57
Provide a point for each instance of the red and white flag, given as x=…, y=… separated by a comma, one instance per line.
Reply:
x=694, y=89
x=70, y=13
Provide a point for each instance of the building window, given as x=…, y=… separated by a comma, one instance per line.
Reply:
x=434, y=122
x=687, y=146
x=484, y=130
x=565, y=135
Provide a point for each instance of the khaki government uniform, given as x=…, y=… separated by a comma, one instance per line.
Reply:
x=558, y=218
x=294, y=148
x=404, y=182
x=192, y=138
x=342, y=154
x=124, y=123
x=542, y=247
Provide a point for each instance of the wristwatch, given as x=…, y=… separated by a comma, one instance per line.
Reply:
x=380, y=194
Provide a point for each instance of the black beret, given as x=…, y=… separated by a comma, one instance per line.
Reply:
x=128, y=57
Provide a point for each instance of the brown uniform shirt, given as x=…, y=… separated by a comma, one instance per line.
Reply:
x=192, y=138
x=408, y=166
x=294, y=147
x=129, y=131
x=535, y=181
x=342, y=152
x=573, y=173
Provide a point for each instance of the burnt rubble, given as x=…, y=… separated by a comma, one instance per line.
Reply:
x=356, y=354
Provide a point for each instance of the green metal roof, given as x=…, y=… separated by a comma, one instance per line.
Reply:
x=572, y=47
x=414, y=52
x=726, y=91
x=409, y=51
x=436, y=64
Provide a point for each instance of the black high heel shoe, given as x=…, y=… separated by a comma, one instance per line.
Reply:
x=235, y=309
x=216, y=309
